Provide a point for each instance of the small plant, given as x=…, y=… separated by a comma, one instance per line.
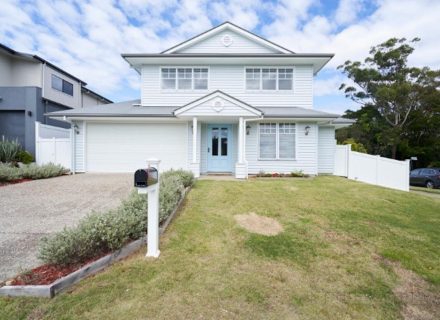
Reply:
x=9, y=173
x=9, y=150
x=25, y=157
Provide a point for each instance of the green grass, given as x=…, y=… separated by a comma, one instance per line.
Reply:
x=435, y=191
x=325, y=265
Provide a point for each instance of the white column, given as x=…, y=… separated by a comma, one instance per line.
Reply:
x=240, y=140
x=194, y=147
x=153, y=215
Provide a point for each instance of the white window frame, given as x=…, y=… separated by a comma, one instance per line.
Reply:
x=176, y=90
x=276, y=90
x=277, y=139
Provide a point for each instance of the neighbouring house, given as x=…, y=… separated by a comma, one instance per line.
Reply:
x=225, y=101
x=31, y=86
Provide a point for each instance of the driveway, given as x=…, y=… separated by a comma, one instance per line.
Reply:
x=31, y=210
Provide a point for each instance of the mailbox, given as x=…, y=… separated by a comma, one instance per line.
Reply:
x=145, y=177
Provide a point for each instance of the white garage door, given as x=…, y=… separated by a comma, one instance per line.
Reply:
x=126, y=147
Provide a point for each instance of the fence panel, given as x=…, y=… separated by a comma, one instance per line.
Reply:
x=52, y=144
x=371, y=169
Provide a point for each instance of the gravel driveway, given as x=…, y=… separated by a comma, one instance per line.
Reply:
x=30, y=210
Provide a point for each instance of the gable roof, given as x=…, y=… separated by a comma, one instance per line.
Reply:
x=227, y=25
x=222, y=95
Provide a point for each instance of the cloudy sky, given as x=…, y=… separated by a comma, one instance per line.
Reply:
x=86, y=38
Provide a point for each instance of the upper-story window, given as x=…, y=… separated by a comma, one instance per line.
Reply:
x=184, y=78
x=269, y=78
x=62, y=85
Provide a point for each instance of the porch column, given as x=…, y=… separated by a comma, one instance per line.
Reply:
x=240, y=140
x=194, y=132
x=195, y=165
x=241, y=166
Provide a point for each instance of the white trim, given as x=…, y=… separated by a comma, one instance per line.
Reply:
x=277, y=139
x=176, y=90
x=269, y=91
x=215, y=95
x=85, y=144
x=219, y=29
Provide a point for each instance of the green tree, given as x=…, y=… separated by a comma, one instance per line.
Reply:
x=395, y=97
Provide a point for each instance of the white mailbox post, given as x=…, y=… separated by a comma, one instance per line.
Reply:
x=152, y=192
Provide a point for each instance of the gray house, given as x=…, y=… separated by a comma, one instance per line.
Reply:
x=30, y=86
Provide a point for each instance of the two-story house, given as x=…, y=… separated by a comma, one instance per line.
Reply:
x=225, y=101
x=31, y=86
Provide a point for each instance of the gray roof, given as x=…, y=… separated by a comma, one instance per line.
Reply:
x=294, y=112
x=132, y=108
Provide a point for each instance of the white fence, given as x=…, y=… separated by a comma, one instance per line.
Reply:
x=52, y=144
x=371, y=169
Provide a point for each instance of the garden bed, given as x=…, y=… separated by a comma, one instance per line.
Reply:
x=51, y=278
x=2, y=184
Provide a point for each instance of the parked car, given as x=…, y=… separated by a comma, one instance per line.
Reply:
x=427, y=177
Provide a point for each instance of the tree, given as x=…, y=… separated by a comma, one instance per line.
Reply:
x=396, y=95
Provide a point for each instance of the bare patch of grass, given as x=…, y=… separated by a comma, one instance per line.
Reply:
x=255, y=223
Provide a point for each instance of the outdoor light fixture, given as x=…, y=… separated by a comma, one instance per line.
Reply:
x=307, y=128
x=76, y=128
x=248, y=129
x=29, y=113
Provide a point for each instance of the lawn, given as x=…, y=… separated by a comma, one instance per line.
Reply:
x=348, y=251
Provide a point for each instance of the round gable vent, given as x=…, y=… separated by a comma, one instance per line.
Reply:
x=227, y=40
x=217, y=105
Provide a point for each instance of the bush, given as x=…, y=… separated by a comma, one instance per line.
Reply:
x=34, y=171
x=25, y=157
x=9, y=150
x=186, y=177
x=355, y=146
x=9, y=172
x=101, y=233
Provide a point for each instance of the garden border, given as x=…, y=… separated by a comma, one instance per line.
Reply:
x=50, y=290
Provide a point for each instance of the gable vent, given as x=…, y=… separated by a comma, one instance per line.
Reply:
x=227, y=40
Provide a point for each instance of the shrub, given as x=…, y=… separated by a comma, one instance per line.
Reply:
x=186, y=177
x=25, y=157
x=34, y=171
x=355, y=145
x=9, y=172
x=9, y=150
x=101, y=233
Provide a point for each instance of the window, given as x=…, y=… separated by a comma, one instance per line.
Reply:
x=62, y=85
x=184, y=78
x=277, y=140
x=268, y=140
x=285, y=79
x=269, y=79
x=168, y=78
x=200, y=78
x=253, y=79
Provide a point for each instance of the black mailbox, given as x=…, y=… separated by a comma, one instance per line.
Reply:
x=145, y=177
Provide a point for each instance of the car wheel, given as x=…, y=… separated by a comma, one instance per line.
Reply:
x=429, y=184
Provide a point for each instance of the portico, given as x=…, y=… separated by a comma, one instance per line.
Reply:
x=224, y=133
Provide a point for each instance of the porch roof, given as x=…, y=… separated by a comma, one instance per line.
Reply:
x=133, y=108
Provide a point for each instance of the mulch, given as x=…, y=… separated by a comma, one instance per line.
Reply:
x=48, y=273
x=2, y=184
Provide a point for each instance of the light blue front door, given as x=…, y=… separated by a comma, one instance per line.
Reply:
x=220, y=144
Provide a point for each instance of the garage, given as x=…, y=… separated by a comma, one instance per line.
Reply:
x=125, y=147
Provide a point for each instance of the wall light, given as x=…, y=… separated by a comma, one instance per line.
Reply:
x=248, y=129
x=307, y=128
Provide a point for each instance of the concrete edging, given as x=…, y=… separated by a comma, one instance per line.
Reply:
x=50, y=290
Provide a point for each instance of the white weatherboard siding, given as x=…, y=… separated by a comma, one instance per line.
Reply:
x=306, y=152
x=79, y=149
x=231, y=80
x=240, y=44
x=326, y=150
x=125, y=147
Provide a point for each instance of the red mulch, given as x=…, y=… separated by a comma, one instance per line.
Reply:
x=48, y=273
x=2, y=184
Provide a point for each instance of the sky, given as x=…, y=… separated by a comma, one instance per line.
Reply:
x=86, y=38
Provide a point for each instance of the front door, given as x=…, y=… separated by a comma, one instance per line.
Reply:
x=219, y=148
